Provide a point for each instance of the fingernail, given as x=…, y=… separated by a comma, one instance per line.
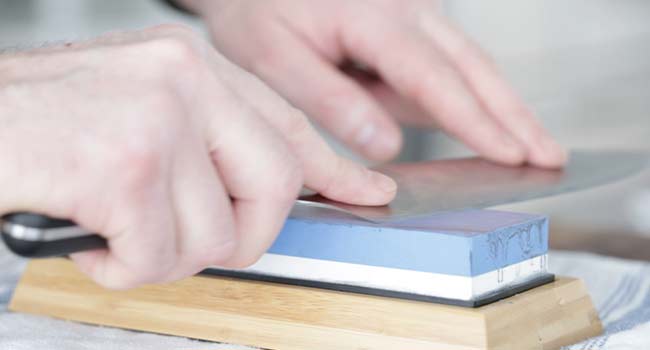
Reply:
x=384, y=182
x=547, y=153
x=382, y=146
x=559, y=153
x=390, y=145
x=366, y=134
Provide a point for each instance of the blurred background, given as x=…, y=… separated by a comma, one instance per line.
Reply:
x=583, y=66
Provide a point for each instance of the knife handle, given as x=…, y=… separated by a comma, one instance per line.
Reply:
x=39, y=236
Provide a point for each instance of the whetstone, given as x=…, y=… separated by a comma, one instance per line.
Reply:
x=284, y=317
x=468, y=257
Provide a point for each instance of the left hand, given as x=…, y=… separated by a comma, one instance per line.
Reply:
x=431, y=74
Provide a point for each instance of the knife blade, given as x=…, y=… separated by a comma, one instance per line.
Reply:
x=424, y=188
x=434, y=186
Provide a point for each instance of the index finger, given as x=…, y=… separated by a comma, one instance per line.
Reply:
x=324, y=171
x=414, y=68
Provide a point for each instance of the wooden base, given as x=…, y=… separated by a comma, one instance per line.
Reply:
x=283, y=317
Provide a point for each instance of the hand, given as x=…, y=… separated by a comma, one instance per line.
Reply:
x=430, y=73
x=178, y=157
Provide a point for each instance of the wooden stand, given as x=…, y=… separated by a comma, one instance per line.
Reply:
x=283, y=317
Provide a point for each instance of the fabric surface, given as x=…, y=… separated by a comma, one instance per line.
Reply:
x=619, y=288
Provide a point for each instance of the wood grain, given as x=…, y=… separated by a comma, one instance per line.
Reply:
x=277, y=316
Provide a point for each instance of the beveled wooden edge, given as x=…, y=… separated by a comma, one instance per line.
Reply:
x=277, y=316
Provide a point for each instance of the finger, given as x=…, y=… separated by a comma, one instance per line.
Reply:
x=258, y=169
x=495, y=94
x=324, y=171
x=416, y=70
x=402, y=109
x=144, y=250
x=335, y=101
x=205, y=227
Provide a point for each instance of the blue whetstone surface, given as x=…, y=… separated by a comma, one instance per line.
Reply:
x=464, y=243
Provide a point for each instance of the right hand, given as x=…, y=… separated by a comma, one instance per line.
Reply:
x=423, y=72
x=178, y=157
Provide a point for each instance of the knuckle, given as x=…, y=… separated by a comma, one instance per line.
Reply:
x=344, y=103
x=296, y=123
x=266, y=60
x=292, y=178
x=266, y=56
x=176, y=49
x=258, y=21
x=140, y=152
x=332, y=103
x=461, y=49
x=421, y=89
x=439, y=88
x=172, y=54
x=467, y=52
x=139, y=161
x=160, y=106
x=353, y=111
x=330, y=187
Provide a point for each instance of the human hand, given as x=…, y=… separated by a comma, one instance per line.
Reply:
x=178, y=157
x=430, y=73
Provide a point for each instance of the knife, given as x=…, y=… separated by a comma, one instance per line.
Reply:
x=424, y=188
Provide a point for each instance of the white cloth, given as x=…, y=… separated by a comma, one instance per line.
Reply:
x=620, y=289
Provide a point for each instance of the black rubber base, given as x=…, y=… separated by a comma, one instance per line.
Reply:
x=483, y=300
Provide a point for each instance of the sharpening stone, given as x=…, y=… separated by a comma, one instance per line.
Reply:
x=469, y=257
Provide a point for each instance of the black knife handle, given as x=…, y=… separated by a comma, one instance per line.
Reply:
x=39, y=236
